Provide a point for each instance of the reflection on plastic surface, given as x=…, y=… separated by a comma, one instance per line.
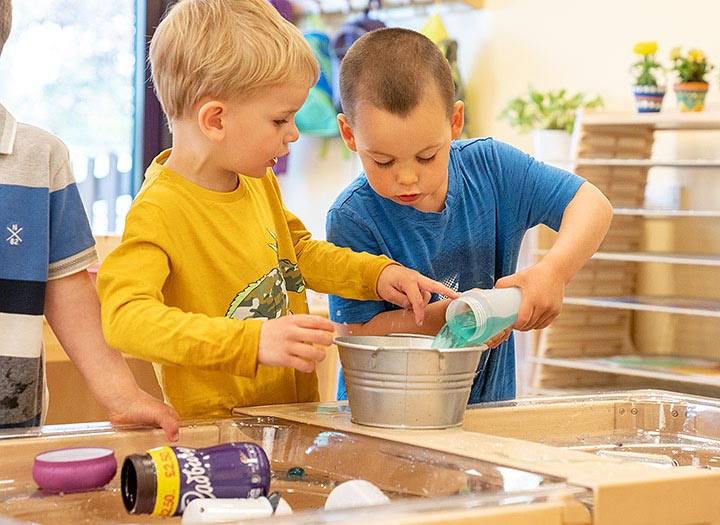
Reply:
x=307, y=463
x=402, y=509
x=646, y=426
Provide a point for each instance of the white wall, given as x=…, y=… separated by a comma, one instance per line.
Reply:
x=580, y=45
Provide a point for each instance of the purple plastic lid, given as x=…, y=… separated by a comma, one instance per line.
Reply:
x=74, y=469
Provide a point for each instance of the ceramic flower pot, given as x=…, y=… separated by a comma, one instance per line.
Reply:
x=648, y=99
x=690, y=95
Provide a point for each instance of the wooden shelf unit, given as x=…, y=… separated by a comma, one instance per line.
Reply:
x=627, y=300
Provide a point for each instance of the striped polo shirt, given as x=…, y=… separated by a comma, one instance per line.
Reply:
x=44, y=234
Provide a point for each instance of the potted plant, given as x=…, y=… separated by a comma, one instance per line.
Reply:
x=648, y=93
x=691, y=88
x=550, y=116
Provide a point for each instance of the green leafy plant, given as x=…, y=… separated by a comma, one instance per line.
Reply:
x=691, y=67
x=646, y=67
x=554, y=109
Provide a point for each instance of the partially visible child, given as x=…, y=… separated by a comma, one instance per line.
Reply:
x=455, y=211
x=211, y=263
x=45, y=250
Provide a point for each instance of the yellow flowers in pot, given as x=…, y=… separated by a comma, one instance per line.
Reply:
x=691, y=69
x=648, y=92
x=645, y=68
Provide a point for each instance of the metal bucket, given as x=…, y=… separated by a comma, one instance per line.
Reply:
x=398, y=381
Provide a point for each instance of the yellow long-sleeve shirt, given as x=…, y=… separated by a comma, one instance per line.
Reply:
x=196, y=273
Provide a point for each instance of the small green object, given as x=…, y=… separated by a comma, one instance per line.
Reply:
x=465, y=490
x=295, y=474
x=327, y=409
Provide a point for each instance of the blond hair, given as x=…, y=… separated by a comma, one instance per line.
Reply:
x=392, y=69
x=5, y=21
x=225, y=49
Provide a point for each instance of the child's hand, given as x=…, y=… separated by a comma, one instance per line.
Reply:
x=140, y=408
x=495, y=341
x=409, y=289
x=543, y=290
x=288, y=341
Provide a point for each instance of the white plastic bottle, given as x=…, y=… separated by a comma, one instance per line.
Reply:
x=478, y=315
x=232, y=510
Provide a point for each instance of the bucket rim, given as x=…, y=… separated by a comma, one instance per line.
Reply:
x=354, y=342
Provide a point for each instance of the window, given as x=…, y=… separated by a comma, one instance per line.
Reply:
x=69, y=67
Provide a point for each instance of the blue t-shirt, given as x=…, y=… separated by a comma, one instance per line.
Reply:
x=495, y=194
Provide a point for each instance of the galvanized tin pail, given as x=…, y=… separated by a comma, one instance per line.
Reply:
x=398, y=381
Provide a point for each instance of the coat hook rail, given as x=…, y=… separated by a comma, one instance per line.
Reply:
x=348, y=7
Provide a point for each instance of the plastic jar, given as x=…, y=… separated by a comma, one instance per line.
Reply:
x=478, y=315
x=163, y=480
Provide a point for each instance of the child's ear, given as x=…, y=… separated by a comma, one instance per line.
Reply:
x=457, y=122
x=346, y=132
x=210, y=119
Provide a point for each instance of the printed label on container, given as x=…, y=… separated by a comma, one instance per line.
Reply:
x=168, y=481
x=230, y=470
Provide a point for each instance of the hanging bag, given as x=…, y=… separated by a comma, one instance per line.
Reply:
x=345, y=37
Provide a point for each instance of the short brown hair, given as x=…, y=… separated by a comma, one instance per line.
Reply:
x=225, y=49
x=5, y=21
x=392, y=68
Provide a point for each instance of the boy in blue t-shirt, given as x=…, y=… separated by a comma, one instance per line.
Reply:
x=455, y=211
x=45, y=250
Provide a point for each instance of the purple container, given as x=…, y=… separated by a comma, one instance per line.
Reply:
x=74, y=469
x=164, y=480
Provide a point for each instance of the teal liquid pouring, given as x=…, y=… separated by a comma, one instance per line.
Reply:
x=478, y=315
x=459, y=331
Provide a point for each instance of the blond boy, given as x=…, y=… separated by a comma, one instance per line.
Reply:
x=211, y=263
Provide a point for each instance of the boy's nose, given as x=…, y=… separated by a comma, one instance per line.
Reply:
x=406, y=176
x=294, y=133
